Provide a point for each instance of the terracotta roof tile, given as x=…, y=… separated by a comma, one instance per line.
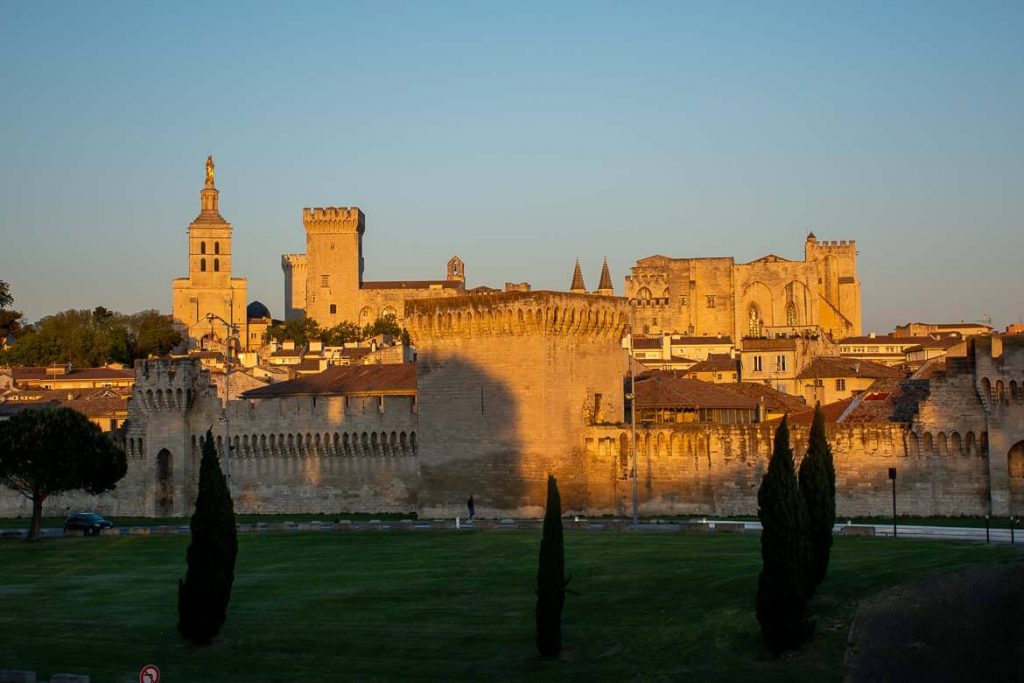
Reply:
x=888, y=400
x=342, y=380
x=839, y=366
x=716, y=362
x=662, y=390
x=774, y=399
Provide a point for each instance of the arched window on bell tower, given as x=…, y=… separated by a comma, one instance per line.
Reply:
x=202, y=265
x=202, y=247
x=216, y=265
x=216, y=247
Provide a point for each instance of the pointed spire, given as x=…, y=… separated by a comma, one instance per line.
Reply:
x=577, y=280
x=604, y=287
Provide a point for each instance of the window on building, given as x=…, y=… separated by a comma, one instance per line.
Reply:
x=334, y=309
x=216, y=265
x=216, y=247
x=202, y=247
x=682, y=300
x=710, y=298
x=202, y=265
x=325, y=280
x=654, y=321
x=840, y=385
x=780, y=363
x=791, y=314
x=757, y=363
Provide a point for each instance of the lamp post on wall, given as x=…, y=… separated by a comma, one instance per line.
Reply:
x=892, y=478
x=632, y=416
x=231, y=337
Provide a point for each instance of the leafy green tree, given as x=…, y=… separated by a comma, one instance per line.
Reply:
x=387, y=325
x=341, y=334
x=92, y=338
x=299, y=330
x=204, y=594
x=818, y=489
x=6, y=299
x=49, y=450
x=551, y=581
x=781, y=587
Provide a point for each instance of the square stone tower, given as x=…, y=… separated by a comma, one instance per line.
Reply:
x=334, y=263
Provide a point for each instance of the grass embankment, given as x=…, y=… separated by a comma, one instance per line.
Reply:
x=435, y=605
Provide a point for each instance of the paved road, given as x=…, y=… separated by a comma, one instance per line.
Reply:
x=902, y=530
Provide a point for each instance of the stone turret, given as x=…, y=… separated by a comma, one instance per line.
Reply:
x=604, y=287
x=577, y=286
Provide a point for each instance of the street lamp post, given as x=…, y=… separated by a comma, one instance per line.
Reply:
x=231, y=337
x=632, y=416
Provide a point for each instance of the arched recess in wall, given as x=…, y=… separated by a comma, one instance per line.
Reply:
x=832, y=279
x=164, y=483
x=644, y=294
x=926, y=444
x=986, y=388
x=971, y=447
x=1015, y=461
x=364, y=316
x=757, y=297
x=798, y=303
x=956, y=446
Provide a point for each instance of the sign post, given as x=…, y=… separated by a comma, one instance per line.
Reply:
x=892, y=478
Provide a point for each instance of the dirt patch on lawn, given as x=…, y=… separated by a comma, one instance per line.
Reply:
x=966, y=625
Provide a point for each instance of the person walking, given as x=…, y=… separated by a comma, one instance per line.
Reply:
x=471, y=506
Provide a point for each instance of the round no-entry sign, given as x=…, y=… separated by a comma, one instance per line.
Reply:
x=149, y=674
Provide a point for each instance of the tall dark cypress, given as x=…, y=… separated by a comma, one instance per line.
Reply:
x=551, y=577
x=781, y=587
x=818, y=488
x=204, y=594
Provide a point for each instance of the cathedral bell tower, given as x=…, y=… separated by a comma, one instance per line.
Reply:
x=209, y=287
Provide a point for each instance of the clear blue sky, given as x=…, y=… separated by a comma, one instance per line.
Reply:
x=518, y=136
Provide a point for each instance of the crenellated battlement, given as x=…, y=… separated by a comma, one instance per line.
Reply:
x=334, y=219
x=835, y=245
x=518, y=314
x=173, y=385
x=293, y=261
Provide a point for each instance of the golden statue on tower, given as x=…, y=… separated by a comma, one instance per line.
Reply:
x=209, y=170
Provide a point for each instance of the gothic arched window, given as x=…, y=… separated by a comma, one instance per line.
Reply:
x=202, y=247
x=791, y=314
x=216, y=265
x=202, y=265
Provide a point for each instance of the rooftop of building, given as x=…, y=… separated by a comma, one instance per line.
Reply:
x=345, y=380
x=774, y=400
x=840, y=366
x=665, y=390
x=412, y=284
x=883, y=339
x=715, y=362
x=777, y=344
x=698, y=341
x=887, y=400
x=69, y=373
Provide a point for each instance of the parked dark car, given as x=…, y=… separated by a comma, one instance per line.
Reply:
x=89, y=522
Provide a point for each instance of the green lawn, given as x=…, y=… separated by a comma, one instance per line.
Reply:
x=435, y=605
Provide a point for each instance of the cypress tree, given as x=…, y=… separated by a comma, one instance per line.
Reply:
x=818, y=488
x=781, y=587
x=551, y=577
x=204, y=594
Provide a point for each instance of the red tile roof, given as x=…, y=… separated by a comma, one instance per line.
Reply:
x=698, y=341
x=783, y=344
x=774, y=400
x=412, y=284
x=888, y=400
x=661, y=390
x=839, y=366
x=646, y=342
x=716, y=362
x=345, y=380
